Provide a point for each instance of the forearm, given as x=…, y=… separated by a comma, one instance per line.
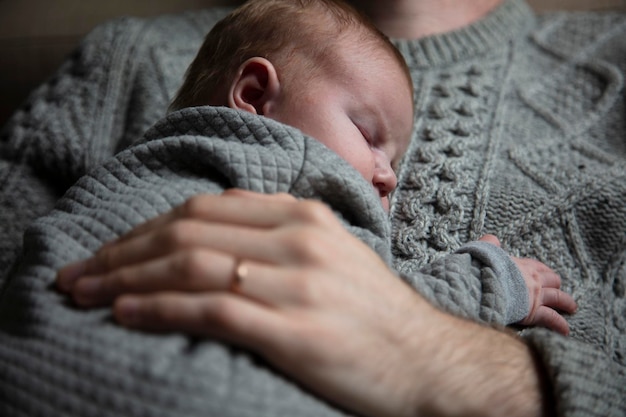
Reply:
x=469, y=369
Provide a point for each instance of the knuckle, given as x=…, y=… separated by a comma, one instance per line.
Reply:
x=535, y=279
x=535, y=291
x=121, y=280
x=103, y=261
x=159, y=311
x=307, y=244
x=194, y=207
x=553, y=317
x=221, y=313
x=314, y=212
x=177, y=235
x=533, y=285
x=190, y=266
x=558, y=323
x=311, y=340
x=305, y=289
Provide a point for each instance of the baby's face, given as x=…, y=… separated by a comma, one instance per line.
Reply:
x=361, y=107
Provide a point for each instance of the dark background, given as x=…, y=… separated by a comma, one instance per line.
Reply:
x=36, y=35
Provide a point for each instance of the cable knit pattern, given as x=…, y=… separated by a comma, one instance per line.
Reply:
x=520, y=133
x=524, y=138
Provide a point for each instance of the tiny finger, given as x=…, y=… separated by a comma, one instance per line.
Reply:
x=550, y=278
x=558, y=300
x=550, y=319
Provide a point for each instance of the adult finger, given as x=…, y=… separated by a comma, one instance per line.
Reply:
x=231, y=207
x=142, y=248
x=238, y=192
x=196, y=223
x=200, y=205
x=201, y=271
x=220, y=315
x=187, y=271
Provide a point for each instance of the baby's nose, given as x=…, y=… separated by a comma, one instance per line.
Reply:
x=385, y=180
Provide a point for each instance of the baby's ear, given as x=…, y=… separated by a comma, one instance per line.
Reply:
x=255, y=86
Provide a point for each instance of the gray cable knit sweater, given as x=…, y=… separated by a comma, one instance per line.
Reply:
x=521, y=134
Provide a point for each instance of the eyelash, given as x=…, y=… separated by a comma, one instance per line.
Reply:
x=365, y=135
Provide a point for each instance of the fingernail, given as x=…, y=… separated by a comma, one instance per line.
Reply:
x=67, y=276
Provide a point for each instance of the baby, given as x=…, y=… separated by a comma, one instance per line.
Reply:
x=263, y=105
x=360, y=108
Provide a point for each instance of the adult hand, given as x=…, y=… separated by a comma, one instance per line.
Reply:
x=545, y=296
x=284, y=279
x=290, y=305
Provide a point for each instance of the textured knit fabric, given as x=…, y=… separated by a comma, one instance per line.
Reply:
x=514, y=287
x=192, y=151
x=62, y=361
x=520, y=133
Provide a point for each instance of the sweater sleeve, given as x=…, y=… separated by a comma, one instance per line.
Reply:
x=479, y=282
x=511, y=286
x=585, y=380
x=67, y=125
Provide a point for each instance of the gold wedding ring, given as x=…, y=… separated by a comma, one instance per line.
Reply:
x=239, y=276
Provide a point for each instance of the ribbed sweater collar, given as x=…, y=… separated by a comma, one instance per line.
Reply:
x=509, y=21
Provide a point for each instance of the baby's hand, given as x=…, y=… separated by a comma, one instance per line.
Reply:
x=546, y=298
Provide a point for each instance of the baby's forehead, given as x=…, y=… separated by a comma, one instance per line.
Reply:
x=378, y=49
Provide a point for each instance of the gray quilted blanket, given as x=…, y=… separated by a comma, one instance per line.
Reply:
x=192, y=151
x=84, y=361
